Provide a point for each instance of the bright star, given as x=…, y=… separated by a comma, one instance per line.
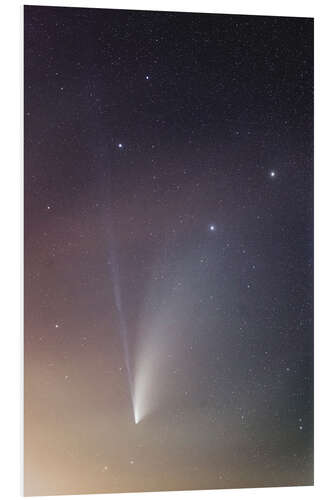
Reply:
x=147, y=77
x=120, y=146
x=272, y=173
x=212, y=227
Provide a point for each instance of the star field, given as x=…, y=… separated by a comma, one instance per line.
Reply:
x=168, y=251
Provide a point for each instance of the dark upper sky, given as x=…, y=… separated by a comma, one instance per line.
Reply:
x=168, y=250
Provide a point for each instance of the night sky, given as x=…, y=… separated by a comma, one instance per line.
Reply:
x=168, y=251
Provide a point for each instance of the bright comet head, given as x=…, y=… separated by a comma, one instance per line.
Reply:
x=136, y=416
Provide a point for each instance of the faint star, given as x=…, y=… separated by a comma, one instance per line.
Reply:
x=56, y=325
